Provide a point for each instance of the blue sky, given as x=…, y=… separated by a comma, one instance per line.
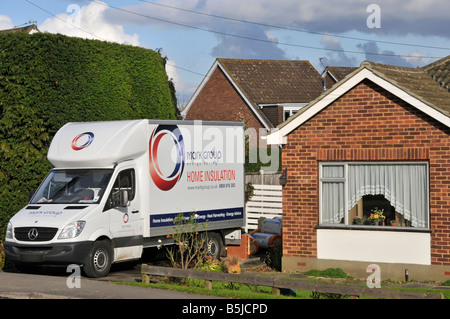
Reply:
x=193, y=33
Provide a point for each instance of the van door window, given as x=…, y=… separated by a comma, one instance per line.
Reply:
x=124, y=181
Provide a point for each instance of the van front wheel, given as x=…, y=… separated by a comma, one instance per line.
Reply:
x=98, y=262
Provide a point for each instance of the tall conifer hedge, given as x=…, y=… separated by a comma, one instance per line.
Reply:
x=47, y=80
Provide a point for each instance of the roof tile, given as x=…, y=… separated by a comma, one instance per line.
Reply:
x=275, y=81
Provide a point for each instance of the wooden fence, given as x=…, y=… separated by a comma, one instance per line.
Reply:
x=265, y=202
x=263, y=179
x=277, y=283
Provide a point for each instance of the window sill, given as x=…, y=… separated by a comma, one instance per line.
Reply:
x=375, y=228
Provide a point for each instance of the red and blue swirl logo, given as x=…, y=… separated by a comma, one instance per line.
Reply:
x=166, y=181
x=82, y=141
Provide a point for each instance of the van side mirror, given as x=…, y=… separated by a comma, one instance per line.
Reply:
x=123, y=202
x=120, y=199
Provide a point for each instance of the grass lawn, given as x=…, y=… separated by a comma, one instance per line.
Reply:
x=245, y=291
x=222, y=289
x=241, y=291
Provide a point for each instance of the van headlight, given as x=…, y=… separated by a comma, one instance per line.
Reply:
x=72, y=230
x=9, y=231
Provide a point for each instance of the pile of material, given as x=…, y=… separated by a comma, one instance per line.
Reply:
x=267, y=235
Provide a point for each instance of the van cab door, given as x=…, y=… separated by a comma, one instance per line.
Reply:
x=125, y=216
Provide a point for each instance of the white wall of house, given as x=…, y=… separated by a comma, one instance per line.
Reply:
x=374, y=246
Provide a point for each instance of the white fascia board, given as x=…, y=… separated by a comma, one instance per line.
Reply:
x=275, y=138
x=281, y=134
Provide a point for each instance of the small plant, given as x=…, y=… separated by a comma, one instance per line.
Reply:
x=327, y=295
x=249, y=189
x=273, y=256
x=377, y=216
x=190, y=247
x=2, y=255
x=233, y=266
x=357, y=220
x=211, y=264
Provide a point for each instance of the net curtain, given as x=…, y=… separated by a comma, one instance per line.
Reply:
x=404, y=185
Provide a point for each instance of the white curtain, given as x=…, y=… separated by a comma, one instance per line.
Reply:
x=404, y=185
x=333, y=195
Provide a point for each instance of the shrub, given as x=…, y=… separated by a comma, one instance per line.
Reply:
x=190, y=247
x=273, y=257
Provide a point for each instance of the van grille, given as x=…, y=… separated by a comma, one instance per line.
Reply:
x=43, y=233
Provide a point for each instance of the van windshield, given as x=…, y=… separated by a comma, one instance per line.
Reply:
x=75, y=186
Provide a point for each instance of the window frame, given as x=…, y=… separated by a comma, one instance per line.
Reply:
x=346, y=208
x=132, y=192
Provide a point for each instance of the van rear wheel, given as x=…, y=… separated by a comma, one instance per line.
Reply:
x=215, y=245
x=98, y=262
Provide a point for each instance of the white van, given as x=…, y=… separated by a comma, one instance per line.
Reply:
x=117, y=187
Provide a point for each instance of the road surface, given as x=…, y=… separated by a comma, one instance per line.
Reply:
x=51, y=283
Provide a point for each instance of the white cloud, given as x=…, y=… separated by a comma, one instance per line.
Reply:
x=88, y=22
x=5, y=22
x=401, y=17
x=416, y=58
x=183, y=89
x=336, y=57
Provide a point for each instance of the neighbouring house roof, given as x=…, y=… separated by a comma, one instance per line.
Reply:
x=28, y=29
x=267, y=82
x=416, y=86
x=275, y=81
x=338, y=72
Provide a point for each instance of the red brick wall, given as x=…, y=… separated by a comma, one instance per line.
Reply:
x=366, y=124
x=219, y=101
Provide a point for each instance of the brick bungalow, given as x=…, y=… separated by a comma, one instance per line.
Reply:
x=376, y=141
x=262, y=93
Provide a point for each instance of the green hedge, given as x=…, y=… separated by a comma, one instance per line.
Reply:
x=47, y=80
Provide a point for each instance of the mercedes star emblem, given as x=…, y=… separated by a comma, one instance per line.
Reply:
x=32, y=234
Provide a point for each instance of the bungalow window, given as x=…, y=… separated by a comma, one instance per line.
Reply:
x=377, y=194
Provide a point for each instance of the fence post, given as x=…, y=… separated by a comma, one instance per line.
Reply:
x=145, y=278
x=208, y=284
x=276, y=291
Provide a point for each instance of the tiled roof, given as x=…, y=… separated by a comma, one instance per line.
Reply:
x=275, y=81
x=440, y=71
x=340, y=72
x=26, y=29
x=414, y=81
x=418, y=82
